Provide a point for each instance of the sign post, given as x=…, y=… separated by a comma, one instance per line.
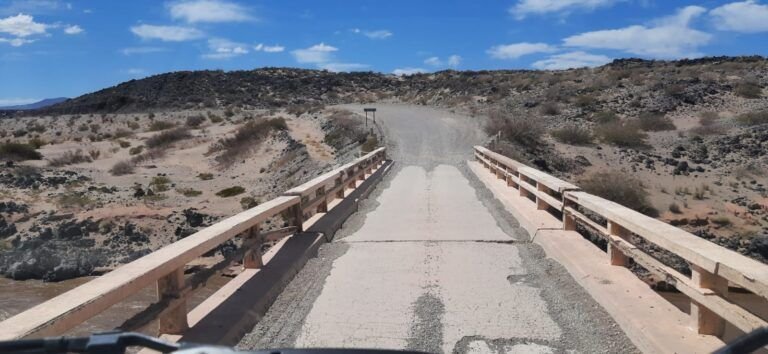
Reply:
x=372, y=110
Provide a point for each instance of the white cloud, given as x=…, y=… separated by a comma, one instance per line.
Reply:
x=524, y=8
x=208, y=11
x=746, y=17
x=408, y=71
x=141, y=50
x=135, y=71
x=669, y=37
x=454, y=61
x=13, y=7
x=316, y=54
x=224, y=49
x=15, y=101
x=433, y=61
x=344, y=67
x=166, y=33
x=74, y=29
x=377, y=34
x=22, y=26
x=517, y=50
x=571, y=60
x=268, y=49
x=16, y=42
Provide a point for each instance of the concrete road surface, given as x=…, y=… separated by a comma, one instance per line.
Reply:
x=432, y=262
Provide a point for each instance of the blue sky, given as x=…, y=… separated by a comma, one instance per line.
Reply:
x=51, y=48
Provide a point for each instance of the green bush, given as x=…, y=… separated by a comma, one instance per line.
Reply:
x=654, y=122
x=205, y=176
x=721, y=220
x=674, y=208
x=622, y=134
x=230, y=192
x=549, y=109
x=195, y=121
x=136, y=150
x=620, y=188
x=19, y=152
x=160, y=183
x=572, y=134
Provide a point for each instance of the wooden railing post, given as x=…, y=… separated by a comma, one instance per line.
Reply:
x=252, y=257
x=704, y=320
x=541, y=204
x=297, y=217
x=170, y=288
x=617, y=257
x=569, y=221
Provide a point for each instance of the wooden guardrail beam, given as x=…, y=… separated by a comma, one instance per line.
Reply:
x=713, y=266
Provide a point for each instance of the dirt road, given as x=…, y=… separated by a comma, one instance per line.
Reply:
x=432, y=262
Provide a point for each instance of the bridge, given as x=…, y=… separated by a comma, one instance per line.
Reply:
x=434, y=243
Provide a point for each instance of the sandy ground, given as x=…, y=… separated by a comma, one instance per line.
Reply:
x=432, y=262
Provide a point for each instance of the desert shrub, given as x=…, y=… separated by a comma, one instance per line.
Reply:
x=604, y=117
x=721, y=220
x=344, y=129
x=69, y=158
x=214, y=118
x=94, y=154
x=95, y=128
x=19, y=152
x=748, y=90
x=229, y=113
x=205, y=176
x=149, y=155
x=136, y=150
x=168, y=137
x=584, y=101
x=159, y=125
x=124, y=144
x=36, y=142
x=195, y=121
x=160, y=183
x=134, y=125
x=18, y=133
x=753, y=118
x=188, y=192
x=620, y=188
x=549, y=109
x=572, y=134
x=248, y=203
x=371, y=143
x=121, y=168
x=674, y=208
x=37, y=128
x=520, y=130
x=230, y=192
x=674, y=90
x=654, y=122
x=122, y=133
x=73, y=199
x=246, y=138
x=622, y=134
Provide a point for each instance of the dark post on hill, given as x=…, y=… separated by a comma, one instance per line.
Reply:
x=373, y=111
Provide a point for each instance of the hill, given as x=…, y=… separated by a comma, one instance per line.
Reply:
x=35, y=105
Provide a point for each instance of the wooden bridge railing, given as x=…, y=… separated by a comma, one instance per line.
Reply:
x=165, y=267
x=713, y=268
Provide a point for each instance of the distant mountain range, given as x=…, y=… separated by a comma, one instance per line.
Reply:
x=39, y=104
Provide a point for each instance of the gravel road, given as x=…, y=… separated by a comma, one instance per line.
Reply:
x=433, y=262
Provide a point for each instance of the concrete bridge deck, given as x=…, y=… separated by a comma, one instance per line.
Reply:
x=432, y=262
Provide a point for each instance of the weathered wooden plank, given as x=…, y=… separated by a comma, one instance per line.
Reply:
x=741, y=270
x=551, y=182
x=77, y=305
